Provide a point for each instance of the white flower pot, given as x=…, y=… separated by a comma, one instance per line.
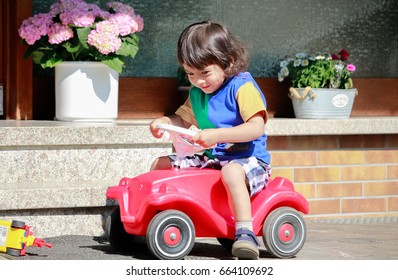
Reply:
x=86, y=92
x=323, y=103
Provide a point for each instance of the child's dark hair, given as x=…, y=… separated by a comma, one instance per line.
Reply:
x=205, y=43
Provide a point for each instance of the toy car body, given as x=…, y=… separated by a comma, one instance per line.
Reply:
x=172, y=207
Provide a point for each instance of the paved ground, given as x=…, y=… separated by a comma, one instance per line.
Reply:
x=325, y=241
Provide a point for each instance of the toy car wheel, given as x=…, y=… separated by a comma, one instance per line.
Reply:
x=13, y=252
x=17, y=224
x=170, y=235
x=117, y=235
x=284, y=232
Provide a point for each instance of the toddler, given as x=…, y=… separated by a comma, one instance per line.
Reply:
x=228, y=106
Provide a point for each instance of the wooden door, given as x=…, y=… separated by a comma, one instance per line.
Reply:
x=15, y=72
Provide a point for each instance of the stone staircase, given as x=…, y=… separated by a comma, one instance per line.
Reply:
x=54, y=175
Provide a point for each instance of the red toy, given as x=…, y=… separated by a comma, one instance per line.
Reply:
x=172, y=207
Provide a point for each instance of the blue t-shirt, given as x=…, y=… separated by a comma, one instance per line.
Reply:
x=237, y=99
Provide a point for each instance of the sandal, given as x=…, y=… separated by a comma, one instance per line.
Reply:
x=246, y=245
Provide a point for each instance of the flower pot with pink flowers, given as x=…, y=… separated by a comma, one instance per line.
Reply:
x=321, y=84
x=80, y=39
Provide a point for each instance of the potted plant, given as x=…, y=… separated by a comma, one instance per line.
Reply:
x=321, y=84
x=91, y=39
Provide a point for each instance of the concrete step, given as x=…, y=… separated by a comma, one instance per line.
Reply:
x=70, y=152
x=54, y=175
x=54, y=208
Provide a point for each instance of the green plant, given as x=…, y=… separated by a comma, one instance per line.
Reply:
x=317, y=71
x=74, y=30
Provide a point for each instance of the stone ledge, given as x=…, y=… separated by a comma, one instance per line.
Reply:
x=351, y=126
x=136, y=132
x=55, y=133
x=80, y=221
x=70, y=208
x=53, y=195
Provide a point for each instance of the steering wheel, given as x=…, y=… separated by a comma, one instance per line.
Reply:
x=181, y=138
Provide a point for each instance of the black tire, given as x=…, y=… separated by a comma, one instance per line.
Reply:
x=17, y=224
x=226, y=242
x=13, y=252
x=117, y=235
x=170, y=235
x=284, y=232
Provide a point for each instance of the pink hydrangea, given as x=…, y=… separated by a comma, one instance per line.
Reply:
x=70, y=5
x=106, y=26
x=121, y=8
x=83, y=19
x=67, y=17
x=105, y=42
x=56, y=9
x=123, y=24
x=125, y=9
x=34, y=27
x=98, y=12
x=140, y=22
x=75, y=9
x=59, y=33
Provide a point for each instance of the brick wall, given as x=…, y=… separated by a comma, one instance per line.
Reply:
x=341, y=176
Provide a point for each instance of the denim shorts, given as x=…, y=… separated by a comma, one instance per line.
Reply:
x=258, y=173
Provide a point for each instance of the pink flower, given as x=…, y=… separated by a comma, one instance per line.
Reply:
x=122, y=8
x=124, y=24
x=351, y=67
x=106, y=26
x=83, y=19
x=59, y=33
x=125, y=9
x=69, y=5
x=140, y=22
x=34, y=27
x=105, y=31
x=56, y=9
x=66, y=18
x=98, y=12
x=105, y=42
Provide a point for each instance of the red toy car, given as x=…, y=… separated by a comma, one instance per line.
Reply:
x=172, y=207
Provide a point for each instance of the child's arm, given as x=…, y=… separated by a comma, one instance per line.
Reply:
x=248, y=131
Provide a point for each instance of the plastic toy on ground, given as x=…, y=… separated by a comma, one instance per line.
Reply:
x=170, y=208
x=16, y=236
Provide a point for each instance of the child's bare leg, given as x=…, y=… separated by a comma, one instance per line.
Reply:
x=246, y=244
x=234, y=178
x=161, y=163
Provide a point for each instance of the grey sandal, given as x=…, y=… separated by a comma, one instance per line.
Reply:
x=246, y=245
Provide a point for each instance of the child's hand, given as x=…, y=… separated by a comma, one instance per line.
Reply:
x=156, y=132
x=170, y=120
x=206, y=138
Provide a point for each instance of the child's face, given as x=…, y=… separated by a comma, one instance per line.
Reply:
x=208, y=79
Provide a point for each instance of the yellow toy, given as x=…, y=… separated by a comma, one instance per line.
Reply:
x=16, y=236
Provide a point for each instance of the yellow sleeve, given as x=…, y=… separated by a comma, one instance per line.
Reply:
x=185, y=112
x=250, y=102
